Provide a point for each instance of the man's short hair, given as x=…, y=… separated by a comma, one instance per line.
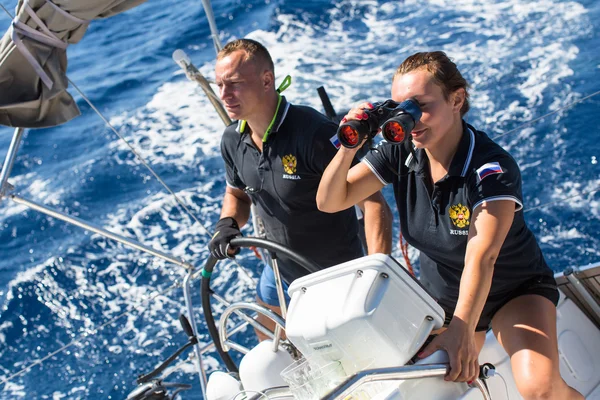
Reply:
x=253, y=49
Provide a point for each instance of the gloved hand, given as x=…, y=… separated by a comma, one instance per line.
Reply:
x=225, y=230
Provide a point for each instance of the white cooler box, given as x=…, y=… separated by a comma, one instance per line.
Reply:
x=367, y=313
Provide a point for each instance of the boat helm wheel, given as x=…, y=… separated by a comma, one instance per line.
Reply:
x=274, y=248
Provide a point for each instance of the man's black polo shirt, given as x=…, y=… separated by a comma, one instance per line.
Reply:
x=435, y=218
x=282, y=182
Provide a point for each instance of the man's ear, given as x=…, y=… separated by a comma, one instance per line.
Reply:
x=458, y=99
x=268, y=79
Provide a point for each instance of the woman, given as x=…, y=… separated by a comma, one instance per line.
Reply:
x=460, y=203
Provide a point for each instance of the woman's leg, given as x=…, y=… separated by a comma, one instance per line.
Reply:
x=526, y=328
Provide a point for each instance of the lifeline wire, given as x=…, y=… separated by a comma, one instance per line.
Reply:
x=6, y=11
x=175, y=285
x=547, y=115
x=141, y=159
x=93, y=332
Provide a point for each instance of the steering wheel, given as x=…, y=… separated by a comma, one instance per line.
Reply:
x=308, y=265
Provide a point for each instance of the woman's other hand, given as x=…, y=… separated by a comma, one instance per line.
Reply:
x=463, y=351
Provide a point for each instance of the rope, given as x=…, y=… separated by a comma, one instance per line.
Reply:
x=141, y=159
x=404, y=247
x=547, y=115
x=6, y=11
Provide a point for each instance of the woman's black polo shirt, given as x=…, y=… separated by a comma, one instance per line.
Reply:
x=435, y=218
x=282, y=182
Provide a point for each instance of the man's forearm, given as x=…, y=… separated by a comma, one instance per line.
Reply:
x=378, y=224
x=238, y=209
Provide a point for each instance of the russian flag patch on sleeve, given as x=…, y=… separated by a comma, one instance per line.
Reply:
x=335, y=141
x=489, y=169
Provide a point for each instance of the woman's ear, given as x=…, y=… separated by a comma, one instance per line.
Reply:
x=458, y=99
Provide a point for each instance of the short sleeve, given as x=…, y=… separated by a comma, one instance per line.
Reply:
x=231, y=177
x=497, y=179
x=381, y=159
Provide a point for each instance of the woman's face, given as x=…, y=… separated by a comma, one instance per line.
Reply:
x=439, y=115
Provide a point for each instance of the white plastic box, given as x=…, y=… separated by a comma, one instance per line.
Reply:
x=367, y=313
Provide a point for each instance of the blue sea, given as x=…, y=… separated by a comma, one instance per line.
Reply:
x=60, y=284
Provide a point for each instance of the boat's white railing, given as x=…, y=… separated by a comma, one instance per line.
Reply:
x=423, y=371
x=100, y=231
x=223, y=334
x=352, y=383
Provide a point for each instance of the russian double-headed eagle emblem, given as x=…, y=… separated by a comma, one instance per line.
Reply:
x=460, y=215
x=289, y=164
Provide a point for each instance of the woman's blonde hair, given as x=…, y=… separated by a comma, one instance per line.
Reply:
x=445, y=73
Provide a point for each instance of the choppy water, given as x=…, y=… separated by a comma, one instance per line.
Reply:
x=523, y=58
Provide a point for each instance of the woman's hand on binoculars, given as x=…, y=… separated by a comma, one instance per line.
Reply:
x=353, y=136
x=357, y=113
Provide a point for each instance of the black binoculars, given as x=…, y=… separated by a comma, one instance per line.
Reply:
x=396, y=120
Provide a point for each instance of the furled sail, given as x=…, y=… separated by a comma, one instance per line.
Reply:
x=33, y=58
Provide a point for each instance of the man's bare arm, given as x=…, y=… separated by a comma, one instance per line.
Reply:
x=378, y=223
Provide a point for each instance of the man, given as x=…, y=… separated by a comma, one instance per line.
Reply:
x=274, y=158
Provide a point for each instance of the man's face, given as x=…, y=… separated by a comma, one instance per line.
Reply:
x=243, y=85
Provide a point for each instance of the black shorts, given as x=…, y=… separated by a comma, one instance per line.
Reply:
x=543, y=285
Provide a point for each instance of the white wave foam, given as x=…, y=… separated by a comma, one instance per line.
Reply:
x=35, y=188
x=177, y=127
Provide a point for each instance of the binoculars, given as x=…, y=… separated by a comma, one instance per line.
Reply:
x=396, y=120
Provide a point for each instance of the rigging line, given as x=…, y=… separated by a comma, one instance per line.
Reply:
x=177, y=199
x=141, y=159
x=563, y=200
x=87, y=333
x=6, y=11
x=547, y=115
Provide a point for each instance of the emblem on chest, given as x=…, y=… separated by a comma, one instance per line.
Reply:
x=459, y=215
x=289, y=166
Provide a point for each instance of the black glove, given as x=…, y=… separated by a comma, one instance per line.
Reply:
x=225, y=230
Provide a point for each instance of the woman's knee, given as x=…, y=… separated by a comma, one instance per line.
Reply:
x=546, y=388
x=536, y=388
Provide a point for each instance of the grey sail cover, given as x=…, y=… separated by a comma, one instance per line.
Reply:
x=33, y=58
